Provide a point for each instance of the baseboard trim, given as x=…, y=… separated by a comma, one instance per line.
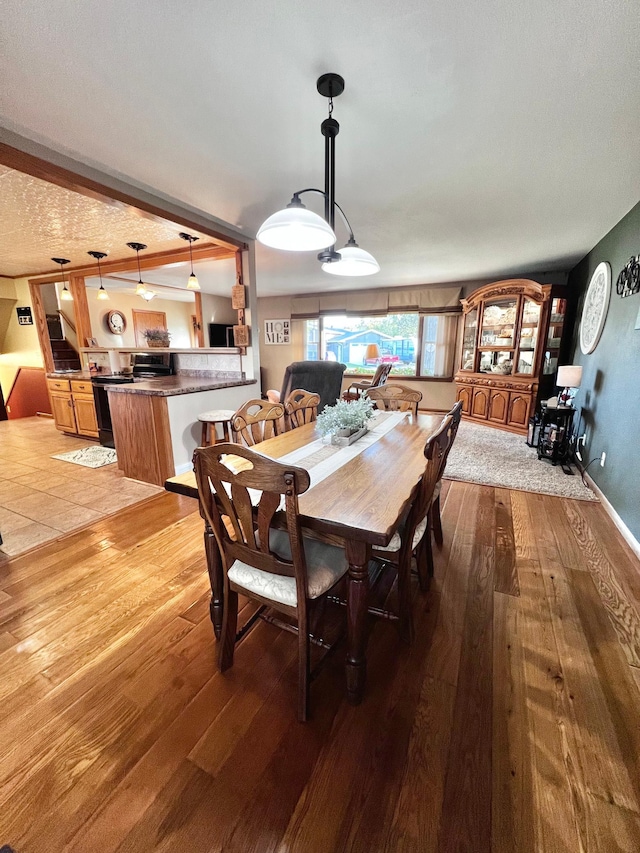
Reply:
x=627, y=535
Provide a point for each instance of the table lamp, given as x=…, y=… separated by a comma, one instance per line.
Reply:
x=372, y=352
x=569, y=379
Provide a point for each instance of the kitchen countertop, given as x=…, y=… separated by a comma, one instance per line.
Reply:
x=170, y=386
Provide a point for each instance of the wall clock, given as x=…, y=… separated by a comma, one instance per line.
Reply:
x=596, y=305
x=116, y=322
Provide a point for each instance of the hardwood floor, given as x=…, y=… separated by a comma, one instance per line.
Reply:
x=511, y=723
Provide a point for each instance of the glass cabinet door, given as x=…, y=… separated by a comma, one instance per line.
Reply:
x=528, y=336
x=469, y=339
x=554, y=335
x=498, y=323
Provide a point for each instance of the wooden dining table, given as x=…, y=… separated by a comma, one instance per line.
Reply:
x=362, y=503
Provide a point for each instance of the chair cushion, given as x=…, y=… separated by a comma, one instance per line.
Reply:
x=395, y=543
x=326, y=564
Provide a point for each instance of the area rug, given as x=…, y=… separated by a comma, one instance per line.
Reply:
x=90, y=457
x=493, y=457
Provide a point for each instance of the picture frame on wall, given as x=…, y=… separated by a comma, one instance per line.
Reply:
x=277, y=332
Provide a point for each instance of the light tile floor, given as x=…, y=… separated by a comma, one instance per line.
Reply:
x=43, y=498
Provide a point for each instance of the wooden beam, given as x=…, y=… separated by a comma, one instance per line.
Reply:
x=80, y=309
x=156, y=259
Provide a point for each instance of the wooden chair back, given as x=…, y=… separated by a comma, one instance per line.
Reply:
x=239, y=502
x=395, y=398
x=256, y=421
x=435, y=451
x=381, y=374
x=456, y=416
x=300, y=408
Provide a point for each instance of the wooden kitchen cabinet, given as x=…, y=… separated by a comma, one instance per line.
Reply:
x=85, y=408
x=63, y=414
x=73, y=407
x=511, y=344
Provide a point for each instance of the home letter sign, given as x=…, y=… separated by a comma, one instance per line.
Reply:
x=277, y=331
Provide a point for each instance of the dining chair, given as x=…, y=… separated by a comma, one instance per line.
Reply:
x=300, y=408
x=436, y=521
x=357, y=389
x=414, y=535
x=395, y=398
x=255, y=421
x=280, y=569
x=318, y=377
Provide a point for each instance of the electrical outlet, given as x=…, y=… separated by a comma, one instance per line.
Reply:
x=603, y=457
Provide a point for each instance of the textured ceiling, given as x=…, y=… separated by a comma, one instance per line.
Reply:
x=477, y=139
x=40, y=221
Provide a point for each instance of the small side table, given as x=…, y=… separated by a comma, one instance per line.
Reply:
x=554, y=441
x=209, y=421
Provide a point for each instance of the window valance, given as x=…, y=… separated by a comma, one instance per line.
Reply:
x=426, y=300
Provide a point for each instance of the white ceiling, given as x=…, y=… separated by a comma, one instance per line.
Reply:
x=477, y=139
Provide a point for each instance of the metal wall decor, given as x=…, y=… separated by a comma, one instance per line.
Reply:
x=628, y=281
x=596, y=305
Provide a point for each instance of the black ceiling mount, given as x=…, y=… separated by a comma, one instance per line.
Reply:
x=60, y=261
x=188, y=237
x=137, y=247
x=330, y=85
x=97, y=255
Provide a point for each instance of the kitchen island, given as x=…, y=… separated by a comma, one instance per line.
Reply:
x=155, y=421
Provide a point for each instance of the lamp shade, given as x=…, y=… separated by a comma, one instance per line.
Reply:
x=296, y=229
x=353, y=261
x=372, y=352
x=569, y=376
x=192, y=282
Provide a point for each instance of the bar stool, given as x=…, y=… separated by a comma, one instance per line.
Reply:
x=210, y=419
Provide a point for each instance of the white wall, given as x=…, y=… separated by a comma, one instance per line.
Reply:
x=178, y=318
x=21, y=347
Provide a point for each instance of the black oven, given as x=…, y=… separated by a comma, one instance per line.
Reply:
x=101, y=399
x=153, y=364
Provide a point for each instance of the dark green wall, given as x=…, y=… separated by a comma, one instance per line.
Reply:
x=609, y=398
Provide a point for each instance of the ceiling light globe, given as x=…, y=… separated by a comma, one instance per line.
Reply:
x=102, y=294
x=65, y=295
x=354, y=261
x=192, y=282
x=296, y=229
x=147, y=295
x=140, y=289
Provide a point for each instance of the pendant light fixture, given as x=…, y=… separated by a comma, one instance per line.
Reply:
x=148, y=295
x=102, y=293
x=192, y=281
x=65, y=293
x=141, y=287
x=296, y=229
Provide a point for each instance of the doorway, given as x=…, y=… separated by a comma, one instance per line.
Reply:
x=144, y=320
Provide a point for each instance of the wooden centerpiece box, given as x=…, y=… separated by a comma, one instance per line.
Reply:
x=510, y=350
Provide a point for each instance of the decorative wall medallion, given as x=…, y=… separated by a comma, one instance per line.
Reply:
x=628, y=281
x=116, y=322
x=596, y=305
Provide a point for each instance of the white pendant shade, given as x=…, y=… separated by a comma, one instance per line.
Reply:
x=65, y=295
x=296, y=229
x=148, y=295
x=192, y=282
x=102, y=294
x=140, y=289
x=354, y=261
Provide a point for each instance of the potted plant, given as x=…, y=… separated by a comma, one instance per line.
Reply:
x=157, y=337
x=345, y=422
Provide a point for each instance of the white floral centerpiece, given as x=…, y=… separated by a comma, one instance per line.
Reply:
x=345, y=422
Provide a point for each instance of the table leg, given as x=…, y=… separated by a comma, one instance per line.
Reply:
x=214, y=568
x=357, y=601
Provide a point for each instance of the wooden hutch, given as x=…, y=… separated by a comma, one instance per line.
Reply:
x=510, y=351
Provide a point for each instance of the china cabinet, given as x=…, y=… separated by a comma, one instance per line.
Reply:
x=511, y=341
